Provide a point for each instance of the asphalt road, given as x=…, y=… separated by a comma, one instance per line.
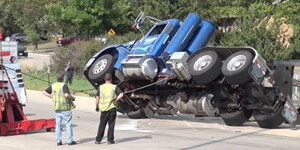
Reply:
x=164, y=132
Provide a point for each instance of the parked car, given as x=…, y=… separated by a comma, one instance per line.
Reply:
x=67, y=40
x=22, y=50
x=19, y=37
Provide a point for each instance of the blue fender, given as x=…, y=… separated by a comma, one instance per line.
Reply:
x=116, y=50
x=123, y=52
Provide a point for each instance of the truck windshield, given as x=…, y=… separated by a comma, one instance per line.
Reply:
x=157, y=30
x=149, y=40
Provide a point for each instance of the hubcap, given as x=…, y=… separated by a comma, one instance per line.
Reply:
x=100, y=66
x=202, y=62
x=236, y=63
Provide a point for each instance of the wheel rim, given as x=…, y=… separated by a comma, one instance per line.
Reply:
x=202, y=62
x=100, y=66
x=236, y=63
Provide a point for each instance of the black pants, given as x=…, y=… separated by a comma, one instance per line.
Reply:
x=110, y=118
x=69, y=80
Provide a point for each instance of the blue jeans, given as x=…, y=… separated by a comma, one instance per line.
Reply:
x=67, y=117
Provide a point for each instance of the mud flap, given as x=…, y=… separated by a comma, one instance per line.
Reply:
x=289, y=112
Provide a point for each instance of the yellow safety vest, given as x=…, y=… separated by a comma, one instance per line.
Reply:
x=107, y=95
x=60, y=101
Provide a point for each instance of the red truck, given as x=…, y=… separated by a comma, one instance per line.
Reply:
x=66, y=41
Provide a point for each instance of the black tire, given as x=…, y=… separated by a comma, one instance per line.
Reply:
x=269, y=120
x=210, y=71
x=98, y=76
x=138, y=114
x=236, y=118
x=48, y=129
x=241, y=75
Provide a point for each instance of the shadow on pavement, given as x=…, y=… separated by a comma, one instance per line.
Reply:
x=85, y=140
x=220, y=140
x=133, y=138
x=218, y=120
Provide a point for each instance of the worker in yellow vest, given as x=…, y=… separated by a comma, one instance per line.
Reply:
x=63, y=104
x=105, y=96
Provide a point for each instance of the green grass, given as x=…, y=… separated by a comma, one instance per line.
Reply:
x=43, y=46
x=79, y=83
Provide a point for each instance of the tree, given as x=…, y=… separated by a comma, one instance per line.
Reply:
x=296, y=45
x=30, y=16
x=75, y=16
x=86, y=16
x=8, y=20
x=255, y=30
x=98, y=16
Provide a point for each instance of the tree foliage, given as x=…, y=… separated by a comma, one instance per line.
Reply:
x=75, y=16
x=28, y=15
x=256, y=30
x=8, y=20
x=257, y=35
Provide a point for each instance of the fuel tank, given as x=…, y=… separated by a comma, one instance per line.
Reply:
x=184, y=34
x=201, y=37
x=141, y=67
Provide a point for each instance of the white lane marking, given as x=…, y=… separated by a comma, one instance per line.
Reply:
x=42, y=55
x=191, y=126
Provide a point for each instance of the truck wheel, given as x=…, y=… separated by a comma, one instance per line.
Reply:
x=269, y=120
x=235, y=68
x=205, y=67
x=138, y=114
x=102, y=65
x=49, y=129
x=236, y=118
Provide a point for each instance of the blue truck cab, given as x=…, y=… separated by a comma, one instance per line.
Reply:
x=158, y=37
x=148, y=58
x=149, y=55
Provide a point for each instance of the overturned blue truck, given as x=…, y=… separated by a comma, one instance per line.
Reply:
x=171, y=70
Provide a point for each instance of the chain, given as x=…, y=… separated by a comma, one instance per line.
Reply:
x=148, y=85
x=90, y=93
x=296, y=96
x=73, y=90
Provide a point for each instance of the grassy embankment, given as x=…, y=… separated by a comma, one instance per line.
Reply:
x=79, y=83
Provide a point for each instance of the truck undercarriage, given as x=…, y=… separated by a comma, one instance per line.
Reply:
x=233, y=96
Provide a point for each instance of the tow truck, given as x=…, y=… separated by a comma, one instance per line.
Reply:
x=171, y=70
x=13, y=98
